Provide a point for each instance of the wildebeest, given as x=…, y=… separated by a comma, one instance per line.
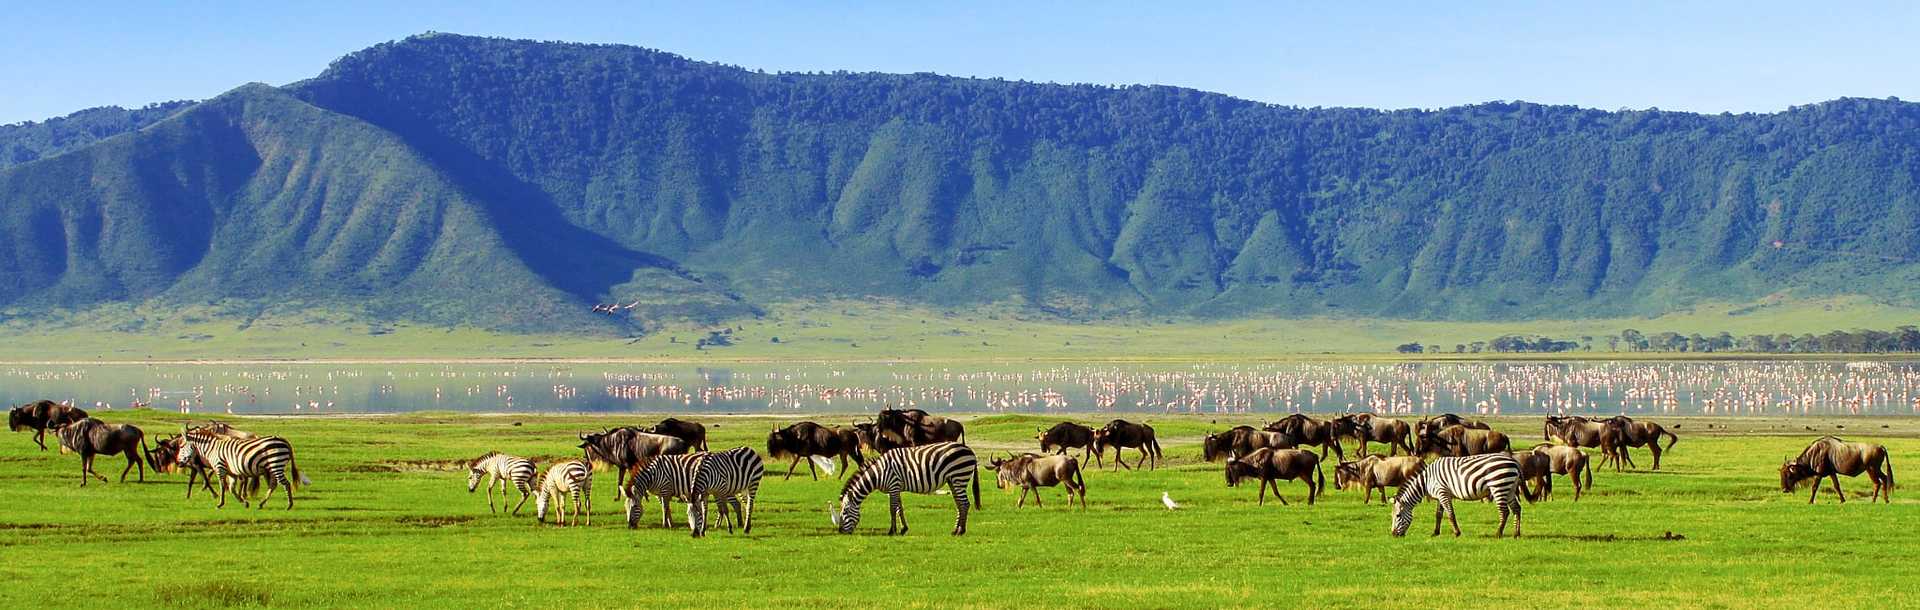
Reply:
x=806, y=439
x=1444, y=420
x=1241, y=440
x=1637, y=434
x=1535, y=467
x=1831, y=457
x=879, y=441
x=90, y=437
x=1573, y=430
x=1030, y=472
x=1273, y=465
x=692, y=432
x=917, y=427
x=1461, y=441
x=627, y=449
x=42, y=415
x=1364, y=426
x=1066, y=435
x=1303, y=430
x=163, y=458
x=1570, y=461
x=1377, y=472
x=1121, y=434
x=1613, y=448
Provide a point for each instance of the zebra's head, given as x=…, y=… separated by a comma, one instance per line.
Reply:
x=1403, y=504
x=187, y=453
x=847, y=516
x=474, y=475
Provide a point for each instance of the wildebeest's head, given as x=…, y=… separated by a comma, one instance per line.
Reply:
x=161, y=457
x=597, y=446
x=1792, y=473
x=1236, y=469
x=1346, y=474
x=17, y=418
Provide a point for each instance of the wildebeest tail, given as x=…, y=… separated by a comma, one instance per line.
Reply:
x=1587, y=466
x=1319, y=479
x=1889, y=462
x=1671, y=438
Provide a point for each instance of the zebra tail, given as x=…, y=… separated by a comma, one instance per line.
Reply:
x=977, y=505
x=297, y=478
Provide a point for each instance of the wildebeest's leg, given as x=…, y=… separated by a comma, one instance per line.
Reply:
x=1276, y=490
x=1312, y=493
x=1836, y=487
x=1654, y=446
x=40, y=438
x=1816, y=490
x=131, y=460
x=790, y=466
x=1143, y=458
x=811, y=469
x=1120, y=458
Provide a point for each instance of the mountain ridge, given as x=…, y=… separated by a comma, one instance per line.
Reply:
x=620, y=174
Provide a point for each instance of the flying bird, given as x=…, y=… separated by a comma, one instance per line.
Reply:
x=1168, y=500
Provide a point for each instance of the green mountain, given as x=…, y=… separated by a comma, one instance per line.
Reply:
x=510, y=184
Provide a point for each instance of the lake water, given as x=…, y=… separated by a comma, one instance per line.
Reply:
x=1598, y=387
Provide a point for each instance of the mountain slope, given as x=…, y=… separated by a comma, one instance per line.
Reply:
x=23, y=142
x=597, y=173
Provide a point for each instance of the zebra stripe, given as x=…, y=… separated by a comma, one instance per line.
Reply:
x=236, y=459
x=570, y=478
x=1492, y=475
x=727, y=477
x=667, y=476
x=920, y=470
x=502, y=470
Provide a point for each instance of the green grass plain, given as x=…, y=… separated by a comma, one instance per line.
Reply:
x=388, y=523
x=881, y=330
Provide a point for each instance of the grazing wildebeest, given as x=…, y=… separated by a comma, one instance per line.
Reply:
x=42, y=415
x=1535, y=467
x=1395, y=433
x=1572, y=430
x=1460, y=441
x=1377, y=472
x=1030, y=472
x=1570, y=461
x=1303, y=430
x=1241, y=440
x=1066, y=435
x=1121, y=434
x=1647, y=434
x=1444, y=420
x=627, y=449
x=1273, y=465
x=692, y=432
x=1613, y=448
x=806, y=439
x=90, y=437
x=876, y=440
x=1831, y=457
x=917, y=427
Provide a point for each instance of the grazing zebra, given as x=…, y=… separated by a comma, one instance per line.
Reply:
x=237, y=459
x=726, y=476
x=572, y=477
x=919, y=470
x=500, y=470
x=667, y=476
x=1476, y=477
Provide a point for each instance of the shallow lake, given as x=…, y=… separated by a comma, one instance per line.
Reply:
x=1601, y=387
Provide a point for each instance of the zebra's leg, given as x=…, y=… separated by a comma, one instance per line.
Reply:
x=1501, y=503
x=960, y=504
x=666, y=511
x=1439, y=512
x=491, y=481
x=894, y=514
x=583, y=503
x=1452, y=517
x=272, y=484
x=525, y=492
x=225, y=483
x=753, y=492
x=1516, y=519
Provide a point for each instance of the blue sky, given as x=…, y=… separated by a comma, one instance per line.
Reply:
x=1699, y=56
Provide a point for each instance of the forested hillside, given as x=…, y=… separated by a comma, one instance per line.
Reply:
x=513, y=184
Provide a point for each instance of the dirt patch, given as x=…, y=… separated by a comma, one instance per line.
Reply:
x=433, y=521
x=1662, y=537
x=411, y=466
x=216, y=594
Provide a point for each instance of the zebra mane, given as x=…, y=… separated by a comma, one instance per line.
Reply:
x=483, y=457
x=863, y=471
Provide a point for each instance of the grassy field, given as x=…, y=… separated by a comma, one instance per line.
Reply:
x=844, y=330
x=387, y=523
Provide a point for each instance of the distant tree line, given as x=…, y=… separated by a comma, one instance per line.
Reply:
x=1905, y=339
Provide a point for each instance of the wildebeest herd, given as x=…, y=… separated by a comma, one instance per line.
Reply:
x=1446, y=458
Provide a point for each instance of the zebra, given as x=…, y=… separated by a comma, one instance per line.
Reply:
x=667, y=476
x=500, y=470
x=1494, y=476
x=572, y=477
x=916, y=469
x=726, y=476
x=237, y=459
